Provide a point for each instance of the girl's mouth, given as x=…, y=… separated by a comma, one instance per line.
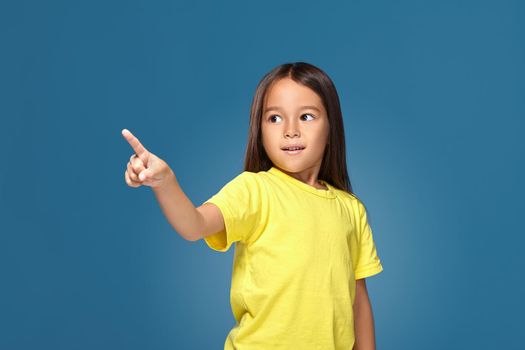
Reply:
x=294, y=150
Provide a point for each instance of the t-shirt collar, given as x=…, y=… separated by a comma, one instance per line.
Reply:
x=329, y=193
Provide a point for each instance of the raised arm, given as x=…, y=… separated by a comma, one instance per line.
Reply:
x=145, y=168
x=212, y=220
x=178, y=209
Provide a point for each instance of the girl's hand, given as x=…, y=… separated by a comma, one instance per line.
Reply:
x=145, y=168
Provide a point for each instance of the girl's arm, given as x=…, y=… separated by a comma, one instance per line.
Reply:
x=363, y=319
x=145, y=168
x=178, y=208
x=192, y=223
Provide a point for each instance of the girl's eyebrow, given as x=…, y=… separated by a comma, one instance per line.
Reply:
x=275, y=108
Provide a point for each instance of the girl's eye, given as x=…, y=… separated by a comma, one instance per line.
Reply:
x=271, y=118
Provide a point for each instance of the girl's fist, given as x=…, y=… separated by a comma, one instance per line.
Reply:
x=144, y=168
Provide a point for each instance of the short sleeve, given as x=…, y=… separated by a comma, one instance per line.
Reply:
x=243, y=205
x=368, y=263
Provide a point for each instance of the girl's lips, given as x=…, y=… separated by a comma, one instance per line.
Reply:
x=294, y=152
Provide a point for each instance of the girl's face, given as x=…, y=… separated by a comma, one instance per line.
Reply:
x=294, y=115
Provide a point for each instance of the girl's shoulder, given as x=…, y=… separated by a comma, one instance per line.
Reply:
x=345, y=194
x=351, y=199
x=250, y=181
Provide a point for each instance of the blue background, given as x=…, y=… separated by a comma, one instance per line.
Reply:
x=432, y=97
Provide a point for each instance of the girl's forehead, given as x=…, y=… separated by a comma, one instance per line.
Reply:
x=287, y=91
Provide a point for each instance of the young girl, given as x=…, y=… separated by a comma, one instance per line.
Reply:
x=303, y=243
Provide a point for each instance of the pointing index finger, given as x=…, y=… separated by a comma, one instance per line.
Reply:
x=139, y=149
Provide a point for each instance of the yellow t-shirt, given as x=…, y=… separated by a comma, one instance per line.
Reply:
x=298, y=252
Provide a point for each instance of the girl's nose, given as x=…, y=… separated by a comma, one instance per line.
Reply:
x=291, y=130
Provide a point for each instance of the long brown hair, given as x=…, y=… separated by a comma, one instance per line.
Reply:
x=333, y=166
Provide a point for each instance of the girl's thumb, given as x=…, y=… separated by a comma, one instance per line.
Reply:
x=142, y=175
